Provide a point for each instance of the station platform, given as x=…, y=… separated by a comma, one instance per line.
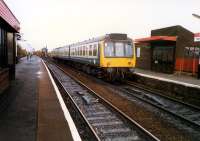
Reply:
x=34, y=111
x=177, y=78
x=182, y=87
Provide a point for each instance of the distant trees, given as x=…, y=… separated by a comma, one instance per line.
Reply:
x=20, y=52
x=38, y=53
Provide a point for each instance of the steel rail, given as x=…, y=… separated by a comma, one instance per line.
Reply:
x=161, y=94
x=162, y=108
x=76, y=106
x=143, y=130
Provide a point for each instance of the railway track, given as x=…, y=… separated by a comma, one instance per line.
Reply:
x=188, y=113
x=105, y=120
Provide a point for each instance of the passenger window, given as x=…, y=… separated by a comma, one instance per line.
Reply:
x=83, y=50
x=95, y=50
x=75, y=52
x=87, y=51
x=72, y=52
x=90, y=50
x=78, y=51
x=66, y=51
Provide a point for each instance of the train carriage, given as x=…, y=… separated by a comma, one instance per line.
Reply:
x=111, y=56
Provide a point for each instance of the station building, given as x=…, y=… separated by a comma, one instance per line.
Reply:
x=9, y=25
x=168, y=50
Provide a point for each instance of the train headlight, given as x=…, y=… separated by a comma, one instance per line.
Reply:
x=109, y=70
x=131, y=69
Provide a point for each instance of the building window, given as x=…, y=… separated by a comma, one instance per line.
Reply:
x=1, y=50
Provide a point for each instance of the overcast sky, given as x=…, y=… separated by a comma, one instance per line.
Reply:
x=60, y=22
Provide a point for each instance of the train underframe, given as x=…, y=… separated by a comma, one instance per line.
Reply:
x=110, y=74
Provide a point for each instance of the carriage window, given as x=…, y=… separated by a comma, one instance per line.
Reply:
x=75, y=52
x=87, y=50
x=61, y=51
x=119, y=49
x=66, y=51
x=72, y=52
x=83, y=50
x=90, y=50
x=95, y=50
x=109, y=49
x=78, y=51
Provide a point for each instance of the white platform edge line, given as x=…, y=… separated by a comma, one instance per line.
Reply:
x=169, y=80
x=74, y=132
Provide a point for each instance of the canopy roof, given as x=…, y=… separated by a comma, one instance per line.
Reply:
x=156, y=38
x=8, y=16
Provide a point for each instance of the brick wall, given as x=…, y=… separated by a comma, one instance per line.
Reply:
x=4, y=79
x=144, y=60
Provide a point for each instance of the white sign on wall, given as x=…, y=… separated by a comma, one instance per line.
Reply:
x=197, y=37
x=138, y=52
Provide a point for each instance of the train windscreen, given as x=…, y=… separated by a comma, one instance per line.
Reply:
x=118, y=49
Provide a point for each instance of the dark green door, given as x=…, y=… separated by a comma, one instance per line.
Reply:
x=163, y=59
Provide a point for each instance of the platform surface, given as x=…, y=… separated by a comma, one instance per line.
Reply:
x=19, y=121
x=52, y=125
x=181, y=79
x=33, y=112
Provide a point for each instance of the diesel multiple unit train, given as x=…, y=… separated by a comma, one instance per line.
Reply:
x=111, y=56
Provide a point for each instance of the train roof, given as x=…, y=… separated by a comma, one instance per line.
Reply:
x=112, y=36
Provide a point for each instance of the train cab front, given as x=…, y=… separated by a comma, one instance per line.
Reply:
x=118, y=56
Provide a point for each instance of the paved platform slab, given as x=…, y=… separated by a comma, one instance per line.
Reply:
x=52, y=125
x=19, y=121
x=33, y=111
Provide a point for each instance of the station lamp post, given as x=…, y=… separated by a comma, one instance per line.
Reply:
x=198, y=17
